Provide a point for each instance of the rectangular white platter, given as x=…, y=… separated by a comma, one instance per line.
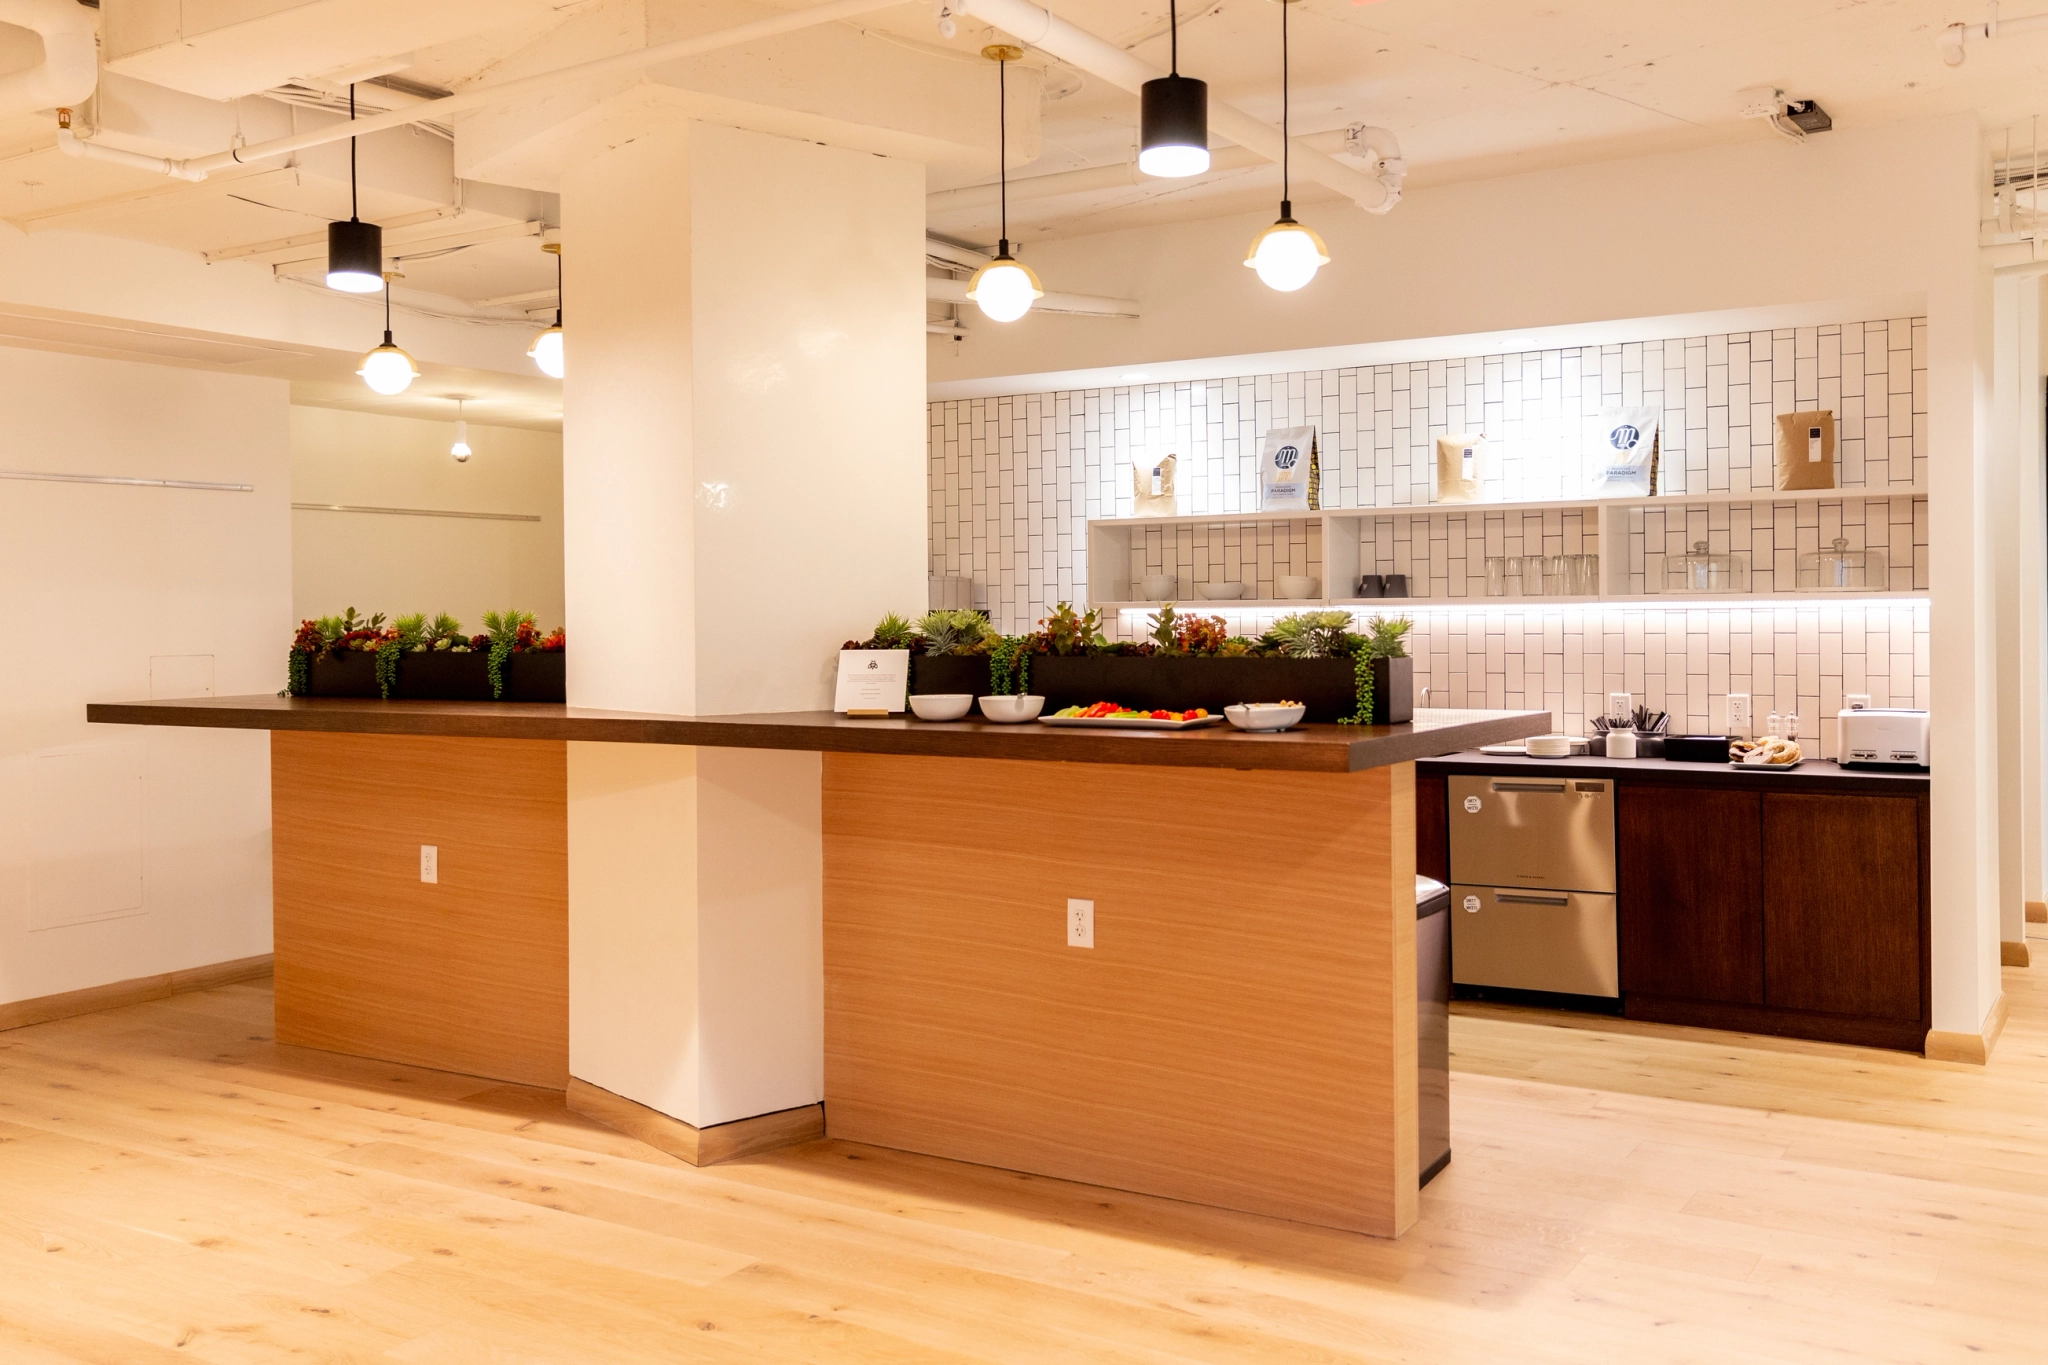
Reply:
x=1128, y=722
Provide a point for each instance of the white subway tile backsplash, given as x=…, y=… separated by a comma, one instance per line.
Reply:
x=1014, y=480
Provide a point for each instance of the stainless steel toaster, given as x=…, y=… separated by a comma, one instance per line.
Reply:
x=1878, y=737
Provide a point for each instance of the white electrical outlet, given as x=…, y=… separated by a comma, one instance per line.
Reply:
x=1080, y=924
x=1739, y=718
x=1856, y=701
x=430, y=863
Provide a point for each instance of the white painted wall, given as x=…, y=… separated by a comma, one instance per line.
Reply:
x=1770, y=226
x=157, y=840
x=397, y=564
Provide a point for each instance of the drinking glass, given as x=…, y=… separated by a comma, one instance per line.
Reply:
x=1553, y=575
x=1532, y=575
x=1496, y=576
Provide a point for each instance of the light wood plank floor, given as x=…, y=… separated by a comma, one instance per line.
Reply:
x=174, y=1186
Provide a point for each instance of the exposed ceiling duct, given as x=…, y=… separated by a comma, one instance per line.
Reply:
x=70, y=66
x=1376, y=189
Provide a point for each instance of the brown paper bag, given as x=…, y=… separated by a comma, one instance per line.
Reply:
x=1152, y=488
x=1806, y=450
x=1459, y=467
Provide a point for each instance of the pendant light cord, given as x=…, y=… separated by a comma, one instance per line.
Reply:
x=1003, y=150
x=387, y=310
x=1286, y=141
x=1173, y=35
x=558, y=285
x=352, y=156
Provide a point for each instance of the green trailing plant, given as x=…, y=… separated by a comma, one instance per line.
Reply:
x=503, y=630
x=1069, y=632
x=955, y=631
x=1384, y=638
x=1009, y=666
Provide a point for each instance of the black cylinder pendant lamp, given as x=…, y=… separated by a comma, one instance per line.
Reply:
x=355, y=249
x=1173, y=117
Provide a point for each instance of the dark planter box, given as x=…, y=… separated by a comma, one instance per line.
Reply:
x=1393, y=691
x=350, y=673
x=1327, y=687
x=443, y=675
x=535, y=677
x=954, y=673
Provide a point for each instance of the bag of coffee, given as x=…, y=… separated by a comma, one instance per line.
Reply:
x=1152, y=488
x=1625, y=452
x=1290, y=471
x=1460, y=465
x=1806, y=450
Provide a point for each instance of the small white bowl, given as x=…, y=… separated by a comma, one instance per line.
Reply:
x=1264, y=716
x=1159, y=587
x=942, y=705
x=1220, y=592
x=1296, y=586
x=1010, y=710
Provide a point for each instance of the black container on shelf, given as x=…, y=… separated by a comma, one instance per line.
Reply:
x=1395, y=585
x=1696, y=748
x=346, y=673
x=1372, y=585
x=1327, y=687
x=443, y=675
x=1393, y=690
x=954, y=673
x=538, y=676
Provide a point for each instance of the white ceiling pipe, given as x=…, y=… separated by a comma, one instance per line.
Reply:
x=69, y=70
x=1078, y=48
x=1954, y=38
x=436, y=110
x=71, y=144
x=1123, y=175
x=1087, y=305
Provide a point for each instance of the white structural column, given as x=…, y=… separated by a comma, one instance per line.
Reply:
x=743, y=488
x=2016, y=427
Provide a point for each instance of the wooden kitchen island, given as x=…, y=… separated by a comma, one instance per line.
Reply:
x=1240, y=1034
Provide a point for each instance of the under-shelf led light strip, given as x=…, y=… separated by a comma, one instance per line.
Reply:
x=1439, y=605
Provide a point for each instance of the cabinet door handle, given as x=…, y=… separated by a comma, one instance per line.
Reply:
x=1507, y=898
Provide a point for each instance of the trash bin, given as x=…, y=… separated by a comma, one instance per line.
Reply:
x=1432, y=1026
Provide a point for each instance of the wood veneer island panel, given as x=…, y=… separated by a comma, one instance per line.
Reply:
x=470, y=973
x=1242, y=1033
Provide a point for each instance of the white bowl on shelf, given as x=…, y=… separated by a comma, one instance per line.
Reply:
x=1264, y=715
x=1159, y=587
x=942, y=705
x=1297, y=586
x=1011, y=710
x=1220, y=592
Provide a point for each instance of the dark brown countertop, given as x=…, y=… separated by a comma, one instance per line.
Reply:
x=1307, y=748
x=1812, y=775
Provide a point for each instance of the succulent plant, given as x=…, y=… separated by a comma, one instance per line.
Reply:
x=1312, y=634
x=955, y=631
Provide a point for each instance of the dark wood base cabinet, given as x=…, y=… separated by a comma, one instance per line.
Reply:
x=1798, y=910
x=1792, y=913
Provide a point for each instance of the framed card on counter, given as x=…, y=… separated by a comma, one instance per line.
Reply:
x=873, y=682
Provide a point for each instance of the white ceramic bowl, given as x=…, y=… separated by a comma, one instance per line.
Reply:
x=942, y=705
x=1159, y=587
x=1220, y=592
x=1010, y=710
x=1264, y=716
x=1296, y=586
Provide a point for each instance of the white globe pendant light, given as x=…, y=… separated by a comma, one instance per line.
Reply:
x=460, y=447
x=1005, y=288
x=387, y=369
x=1173, y=116
x=546, y=350
x=1286, y=255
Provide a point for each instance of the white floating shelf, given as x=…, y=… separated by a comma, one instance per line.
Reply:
x=1733, y=498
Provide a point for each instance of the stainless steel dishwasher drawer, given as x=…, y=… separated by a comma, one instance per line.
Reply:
x=1560, y=941
x=1552, y=833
